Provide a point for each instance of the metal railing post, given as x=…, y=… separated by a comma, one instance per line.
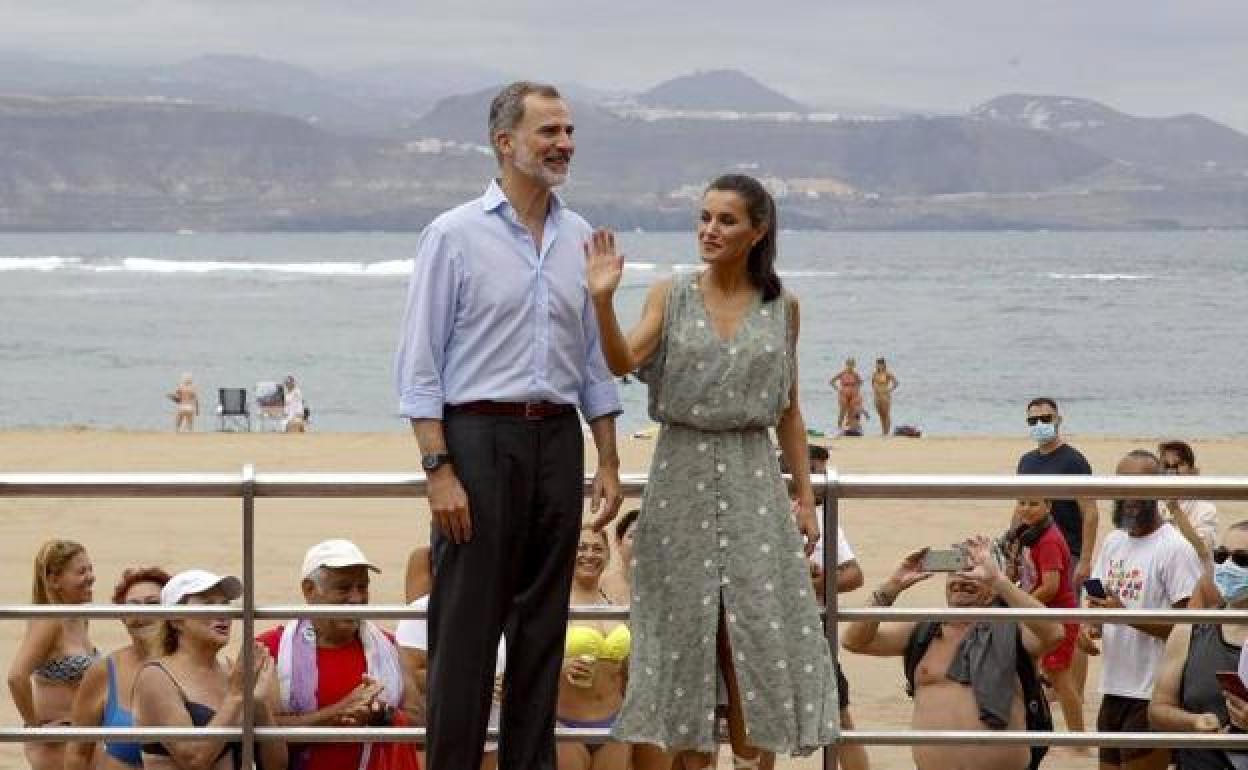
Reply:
x=831, y=523
x=249, y=616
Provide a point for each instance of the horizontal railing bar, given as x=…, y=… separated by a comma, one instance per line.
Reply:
x=392, y=611
x=294, y=734
x=955, y=614
x=596, y=735
x=585, y=612
x=930, y=486
x=1014, y=737
x=120, y=485
x=588, y=612
x=97, y=611
x=851, y=486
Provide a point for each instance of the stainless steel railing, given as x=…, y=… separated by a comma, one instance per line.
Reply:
x=248, y=486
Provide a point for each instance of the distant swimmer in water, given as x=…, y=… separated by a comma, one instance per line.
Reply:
x=848, y=386
x=884, y=383
x=186, y=405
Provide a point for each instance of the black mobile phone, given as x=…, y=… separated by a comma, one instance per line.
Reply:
x=1094, y=587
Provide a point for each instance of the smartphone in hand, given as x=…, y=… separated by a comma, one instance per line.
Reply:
x=1094, y=587
x=944, y=560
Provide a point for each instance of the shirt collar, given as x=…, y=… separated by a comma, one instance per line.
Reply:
x=495, y=200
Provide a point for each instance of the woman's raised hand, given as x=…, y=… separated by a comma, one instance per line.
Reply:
x=604, y=267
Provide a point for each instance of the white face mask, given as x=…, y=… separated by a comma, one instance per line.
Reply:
x=1231, y=580
x=1044, y=432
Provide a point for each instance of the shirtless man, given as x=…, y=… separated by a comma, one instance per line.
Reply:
x=883, y=382
x=940, y=702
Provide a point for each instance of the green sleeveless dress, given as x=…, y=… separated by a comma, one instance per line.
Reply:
x=717, y=530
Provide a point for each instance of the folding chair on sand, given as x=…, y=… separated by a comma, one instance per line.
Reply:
x=270, y=406
x=232, y=414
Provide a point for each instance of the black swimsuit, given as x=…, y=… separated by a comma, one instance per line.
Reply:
x=200, y=715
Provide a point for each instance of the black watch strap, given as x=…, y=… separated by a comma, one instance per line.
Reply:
x=431, y=462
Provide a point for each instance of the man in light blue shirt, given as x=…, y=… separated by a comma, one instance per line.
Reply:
x=499, y=349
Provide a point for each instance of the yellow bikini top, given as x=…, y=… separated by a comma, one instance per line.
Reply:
x=583, y=640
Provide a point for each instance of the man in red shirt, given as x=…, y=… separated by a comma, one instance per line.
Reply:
x=1048, y=573
x=335, y=671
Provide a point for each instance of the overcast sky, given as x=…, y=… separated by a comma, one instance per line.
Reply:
x=1150, y=57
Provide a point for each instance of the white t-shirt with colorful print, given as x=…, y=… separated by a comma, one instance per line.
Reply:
x=1151, y=572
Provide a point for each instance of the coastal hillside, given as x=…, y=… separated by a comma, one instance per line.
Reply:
x=215, y=149
x=1182, y=147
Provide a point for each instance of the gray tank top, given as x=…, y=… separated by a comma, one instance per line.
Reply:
x=1200, y=693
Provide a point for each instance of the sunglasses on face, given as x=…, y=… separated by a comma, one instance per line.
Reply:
x=1238, y=557
x=1044, y=418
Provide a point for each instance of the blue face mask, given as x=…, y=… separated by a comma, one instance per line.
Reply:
x=1231, y=580
x=1044, y=432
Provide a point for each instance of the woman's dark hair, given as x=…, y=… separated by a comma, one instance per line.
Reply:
x=761, y=265
x=625, y=522
x=1180, y=448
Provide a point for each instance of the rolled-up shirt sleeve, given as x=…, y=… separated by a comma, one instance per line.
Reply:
x=599, y=396
x=428, y=320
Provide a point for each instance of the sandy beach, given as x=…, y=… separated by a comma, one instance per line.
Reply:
x=206, y=533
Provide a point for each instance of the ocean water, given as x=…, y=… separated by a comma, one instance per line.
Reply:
x=1135, y=333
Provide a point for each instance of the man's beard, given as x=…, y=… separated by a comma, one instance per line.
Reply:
x=530, y=164
x=1133, y=515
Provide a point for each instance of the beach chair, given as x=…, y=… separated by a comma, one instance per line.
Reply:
x=232, y=411
x=270, y=406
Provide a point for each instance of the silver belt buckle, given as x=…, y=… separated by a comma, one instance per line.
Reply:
x=531, y=410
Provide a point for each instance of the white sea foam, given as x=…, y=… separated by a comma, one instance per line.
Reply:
x=201, y=267
x=394, y=267
x=1101, y=277
x=41, y=264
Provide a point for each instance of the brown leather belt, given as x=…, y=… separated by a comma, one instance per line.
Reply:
x=529, y=410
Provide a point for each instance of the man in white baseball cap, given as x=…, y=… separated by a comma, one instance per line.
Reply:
x=335, y=672
x=197, y=581
x=335, y=554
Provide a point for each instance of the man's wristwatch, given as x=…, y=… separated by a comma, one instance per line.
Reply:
x=431, y=462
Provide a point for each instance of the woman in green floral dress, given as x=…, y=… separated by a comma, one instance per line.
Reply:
x=721, y=584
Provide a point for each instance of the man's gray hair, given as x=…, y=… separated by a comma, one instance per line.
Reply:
x=507, y=109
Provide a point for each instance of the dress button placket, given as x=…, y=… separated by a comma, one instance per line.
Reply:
x=721, y=508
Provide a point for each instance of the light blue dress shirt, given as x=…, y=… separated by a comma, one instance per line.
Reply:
x=490, y=317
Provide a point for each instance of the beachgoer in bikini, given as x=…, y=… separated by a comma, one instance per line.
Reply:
x=186, y=405
x=884, y=383
x=55, y=652
x=591, y=689
x=105, y=697
x=848, y=385
x=192, y=686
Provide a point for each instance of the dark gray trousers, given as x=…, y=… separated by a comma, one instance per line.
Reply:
x=524, y=482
